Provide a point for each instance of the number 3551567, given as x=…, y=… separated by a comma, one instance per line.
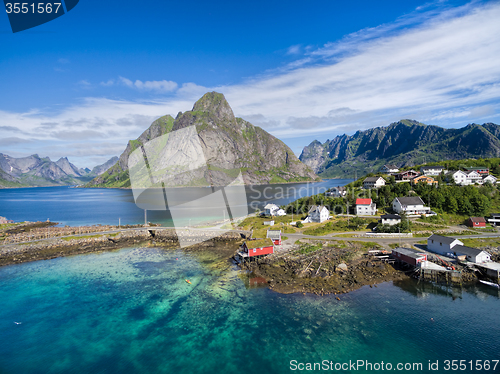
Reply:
x=32, y=7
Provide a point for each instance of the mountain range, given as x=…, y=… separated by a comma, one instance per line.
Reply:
x=402, y=143
x=36, y=171
x=229, y=145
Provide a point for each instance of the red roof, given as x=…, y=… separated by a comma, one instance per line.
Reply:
x=363, y=201
x=478, y=219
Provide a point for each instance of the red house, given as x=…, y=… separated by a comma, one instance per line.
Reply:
x=275, y=236
x=476, y=222
x=407, y=175
x=258, y=247
x=408, y=256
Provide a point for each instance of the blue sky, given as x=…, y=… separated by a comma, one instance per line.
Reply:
x=82, y=85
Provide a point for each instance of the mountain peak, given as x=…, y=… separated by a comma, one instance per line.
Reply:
x=215, y=103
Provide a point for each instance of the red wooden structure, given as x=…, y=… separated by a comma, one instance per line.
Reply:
x=258, y=247
x=476, y=222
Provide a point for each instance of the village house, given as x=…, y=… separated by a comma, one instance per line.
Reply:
x=318, y=214
x=471, y=254
x=280, y=213
x=458, y=176
x=442, y=244
x=337, y=192
x=259, y=247
x=271, y=209
x=478, y=169
x=465, y=178
x=494, y=219
x=476, y=222
x=473, y=177
x=489, y=178
x=432, y=170
x=389, y=169
x=373, y=182
x=390, y=219
x=410, y=206
x=424, y=179
x=407, y=176
x=365, y=207
x=275, y=236
x=4, y=220
x=408, y=256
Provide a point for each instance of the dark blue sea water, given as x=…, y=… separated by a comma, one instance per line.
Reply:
x=131, y=311
x=77, y=206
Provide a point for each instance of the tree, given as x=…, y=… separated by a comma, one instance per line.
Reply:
x=450, y=205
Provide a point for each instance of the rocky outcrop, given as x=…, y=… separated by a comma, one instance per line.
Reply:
x=228, y=144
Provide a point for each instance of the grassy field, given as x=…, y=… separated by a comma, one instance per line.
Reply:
x=340, y=224
x=477, y=243
x=260, y=230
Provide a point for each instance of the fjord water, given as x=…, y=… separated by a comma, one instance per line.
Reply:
x=79, y=206
x=132, y=311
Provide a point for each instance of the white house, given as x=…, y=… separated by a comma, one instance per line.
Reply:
x=373, y=182
x=442, y=244
x=280, y=212
x=465, y=178
x=459, y=177
x=271, y=209
x=432, y=170
x=365, y=207
x=472, y=254
x=389, y=169
x=474, y=177
x=318, y=213
x=390, y=219
x=489, y=178
x=337, y=192
x=410, y=206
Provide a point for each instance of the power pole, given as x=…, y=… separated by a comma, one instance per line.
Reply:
x=145, y=217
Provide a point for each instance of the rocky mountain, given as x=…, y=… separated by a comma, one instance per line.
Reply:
x=403, y=143
x=36, y=171
x=69, y=168
x=101, y=169
x=228, y=145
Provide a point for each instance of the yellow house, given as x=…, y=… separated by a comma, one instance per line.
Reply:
x=424, y=179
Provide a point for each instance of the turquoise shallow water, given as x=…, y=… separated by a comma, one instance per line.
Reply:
x=131, y=311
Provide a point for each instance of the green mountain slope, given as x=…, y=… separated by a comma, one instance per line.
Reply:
x=229, y=145
x=403, y=143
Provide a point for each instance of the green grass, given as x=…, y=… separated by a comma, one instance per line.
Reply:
x=309, y=248
x=342, y=225
x=477, y=243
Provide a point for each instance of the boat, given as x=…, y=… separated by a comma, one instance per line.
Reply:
x=496, y=285
x=188, y=281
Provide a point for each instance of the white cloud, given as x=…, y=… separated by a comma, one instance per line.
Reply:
x=109, y=83
x=437, y=66
x=294, y=49
x=164, y=85
x=84, y=83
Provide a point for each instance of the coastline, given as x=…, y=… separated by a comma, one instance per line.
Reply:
x=321, y=269
x=46, y=249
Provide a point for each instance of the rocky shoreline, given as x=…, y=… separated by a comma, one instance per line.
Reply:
x=66, y=246
x=332, y=271
x=333, y=268
x=311, y=266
